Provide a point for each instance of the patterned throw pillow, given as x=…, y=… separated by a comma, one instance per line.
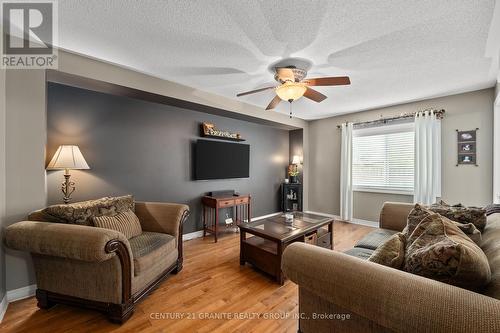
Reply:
x=391, y=253
x=82, y=212
x=127, y=223
x=417, y=214
x=461, y=214
x=439, y=250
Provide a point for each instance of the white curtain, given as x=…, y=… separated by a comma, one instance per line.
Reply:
x=427, y=157
x=346, y=173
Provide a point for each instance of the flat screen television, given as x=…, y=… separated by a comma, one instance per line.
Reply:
x=221, y=160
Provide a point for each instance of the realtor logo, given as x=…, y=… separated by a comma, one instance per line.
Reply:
x=29, y=32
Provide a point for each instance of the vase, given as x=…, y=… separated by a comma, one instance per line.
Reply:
x=293, y=179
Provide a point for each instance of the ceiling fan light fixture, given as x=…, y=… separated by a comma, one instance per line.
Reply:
x=290, y=91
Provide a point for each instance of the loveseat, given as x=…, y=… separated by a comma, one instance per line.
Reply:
x=343, y=292
x=100, y=268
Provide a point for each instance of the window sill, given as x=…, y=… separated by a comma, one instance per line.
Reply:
x=385, y=191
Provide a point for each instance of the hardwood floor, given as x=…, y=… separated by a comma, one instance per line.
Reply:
x=212, y=283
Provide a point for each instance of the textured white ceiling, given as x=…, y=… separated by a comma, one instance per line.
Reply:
x=394, y=51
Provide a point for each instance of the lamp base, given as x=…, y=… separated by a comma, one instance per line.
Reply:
x=67, y=187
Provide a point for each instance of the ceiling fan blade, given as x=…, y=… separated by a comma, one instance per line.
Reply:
x=276, y=100
x=328, y=81
x=314, y=95
x=253, y=91
x=285, y=74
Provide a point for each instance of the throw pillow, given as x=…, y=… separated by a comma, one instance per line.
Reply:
x=416, y=215
x=82, y=212
x=439, y=250
x=470, y=230
x=391, y=253
x=460, y=213
x=127, y=223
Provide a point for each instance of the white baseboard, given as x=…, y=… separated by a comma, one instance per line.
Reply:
x=16, y=295
x=21, y=293
x=192, y=235
x=3, y=307
x=199, y=233
x=367, y=223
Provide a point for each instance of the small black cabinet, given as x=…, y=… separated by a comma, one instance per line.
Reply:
x=291, y=197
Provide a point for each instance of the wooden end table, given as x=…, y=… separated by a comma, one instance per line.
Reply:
x=210, y=211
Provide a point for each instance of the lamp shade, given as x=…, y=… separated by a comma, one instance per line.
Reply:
x=68, y=157
x=296, y=159
x=290, y=91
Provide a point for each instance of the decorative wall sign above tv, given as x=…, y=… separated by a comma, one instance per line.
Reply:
x=209, y=130
x=467, y=147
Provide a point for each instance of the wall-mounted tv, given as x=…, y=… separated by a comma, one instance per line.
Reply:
x=221, y=160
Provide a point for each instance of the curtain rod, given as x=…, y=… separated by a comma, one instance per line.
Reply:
x=439, y=113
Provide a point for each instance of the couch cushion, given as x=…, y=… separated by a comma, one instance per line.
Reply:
x=127, y=223
x=439, y=250
x=460, y=213
x=359, y=252
x=375, y=238
x=82, y=212
x=490, y=244
x=149, y=247
x=391, y=253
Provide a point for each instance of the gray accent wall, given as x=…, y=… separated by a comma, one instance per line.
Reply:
x=145, y=149
x=467, y=184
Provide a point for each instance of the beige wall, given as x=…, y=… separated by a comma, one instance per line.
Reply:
x=25, y=161
x=467, y=184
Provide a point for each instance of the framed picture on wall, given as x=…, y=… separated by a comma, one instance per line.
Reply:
x=466, y=136
x=467, y=159
x=467, y=147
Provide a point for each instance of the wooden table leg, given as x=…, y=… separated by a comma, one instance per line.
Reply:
x=216, y=222
x=330, y=230
x=248, y=206
x=279, y=276
x=242, y=238
x=204, y=220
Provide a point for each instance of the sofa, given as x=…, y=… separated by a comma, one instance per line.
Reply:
x=343, y=292
x=100, y=268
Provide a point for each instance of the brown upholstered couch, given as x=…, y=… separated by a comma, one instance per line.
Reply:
x=100, y=268
x=382, y=299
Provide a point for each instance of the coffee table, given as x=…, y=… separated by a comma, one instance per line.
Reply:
x=270, y=236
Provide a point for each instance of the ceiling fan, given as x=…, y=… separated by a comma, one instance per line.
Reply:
x=293, y=85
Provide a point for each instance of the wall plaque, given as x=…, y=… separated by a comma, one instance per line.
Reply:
x=209, y=130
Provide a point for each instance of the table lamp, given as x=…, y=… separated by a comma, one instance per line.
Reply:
x=296, y=159
x=68, y=157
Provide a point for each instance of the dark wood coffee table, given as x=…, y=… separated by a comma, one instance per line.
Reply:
x=272, y=235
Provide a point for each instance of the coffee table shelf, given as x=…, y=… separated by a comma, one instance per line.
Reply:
x=269, y=238
x=263, y=244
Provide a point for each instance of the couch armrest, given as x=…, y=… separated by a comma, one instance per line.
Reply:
x=394, y=299
x=394, y=214
x=162, y=217
x=64, y=240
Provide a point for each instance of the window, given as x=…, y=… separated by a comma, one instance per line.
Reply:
x=383, y=159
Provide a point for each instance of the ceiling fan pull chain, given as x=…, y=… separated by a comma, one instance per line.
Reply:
x=290, y=101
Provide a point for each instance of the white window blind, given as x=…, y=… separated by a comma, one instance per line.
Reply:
x=383, y=159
